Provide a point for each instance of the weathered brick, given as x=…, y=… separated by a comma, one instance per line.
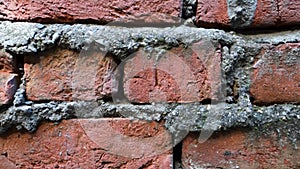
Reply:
x=89, y=143
x=8, y=78
x=238, y=149
x=7, y=63
x=276, y=77
x=289, y=11
x=82, y=10
x=63, y=74
x=267, y=13
x=179, y=75
x=8, y=86
x=281, y=12
x=212, y=13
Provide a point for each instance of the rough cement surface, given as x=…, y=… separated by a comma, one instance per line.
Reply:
x=276, y=38
x=238, y=56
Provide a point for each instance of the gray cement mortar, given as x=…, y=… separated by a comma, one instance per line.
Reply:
x=241, y=12
x=188, y=8
x=238, y=55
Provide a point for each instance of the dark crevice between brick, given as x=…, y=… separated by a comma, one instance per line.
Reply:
x=188, y=9
x=267, y=29
x=278, y=20
x=177, y=154
x=20, y=64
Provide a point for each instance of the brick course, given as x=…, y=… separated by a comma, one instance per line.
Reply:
x=72, y=145
x=238, y=149
x=267, y=13
x=82, y=10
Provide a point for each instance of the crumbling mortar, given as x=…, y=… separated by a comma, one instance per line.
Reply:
x=238, y=56
x=188, y=9
x=241, y=12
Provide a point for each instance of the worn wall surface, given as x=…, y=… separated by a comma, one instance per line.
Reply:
x=150, y=84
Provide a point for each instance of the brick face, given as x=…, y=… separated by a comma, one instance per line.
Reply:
x=84, y=11
x=67, y=145
x=276, y=78
x=180, y=75
x=5, y=163
x=288, y=11
x=7, y=63
x=270, y=13
x=212, y=13
x=209, y=13
x=266, y=13
x=67, y=75
x=238, y=149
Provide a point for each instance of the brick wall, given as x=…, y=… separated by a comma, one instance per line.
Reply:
x=150, y=84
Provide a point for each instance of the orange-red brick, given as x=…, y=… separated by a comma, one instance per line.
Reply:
x=276, y=75
x=83, y=10
x=65, y=75
x=86, y=144
x=179, y=75
x=238, y=149
x=268, y=13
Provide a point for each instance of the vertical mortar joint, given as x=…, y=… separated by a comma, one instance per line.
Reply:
x=188, y=9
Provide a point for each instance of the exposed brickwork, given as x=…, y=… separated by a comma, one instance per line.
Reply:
x=267, y=13
x=180, y=79
x=67, y=75
x=180, y=75
x=82, y=10
x=276, y=77
x=238, y=149
x=70, y=145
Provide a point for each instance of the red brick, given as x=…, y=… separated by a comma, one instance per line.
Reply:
x=179, y=75
x=66, y=75
x=212, y=13
x=289, y=11
x=89, y=144
x=5, y=163
x=8, y=78
x=281, y=12
x=83, y=10
x=276, y=77
x=268, y=13
x=7, y=63
x=8, y=86
x=238, y=149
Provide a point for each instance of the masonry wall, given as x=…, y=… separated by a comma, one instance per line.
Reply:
x=150, y=84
